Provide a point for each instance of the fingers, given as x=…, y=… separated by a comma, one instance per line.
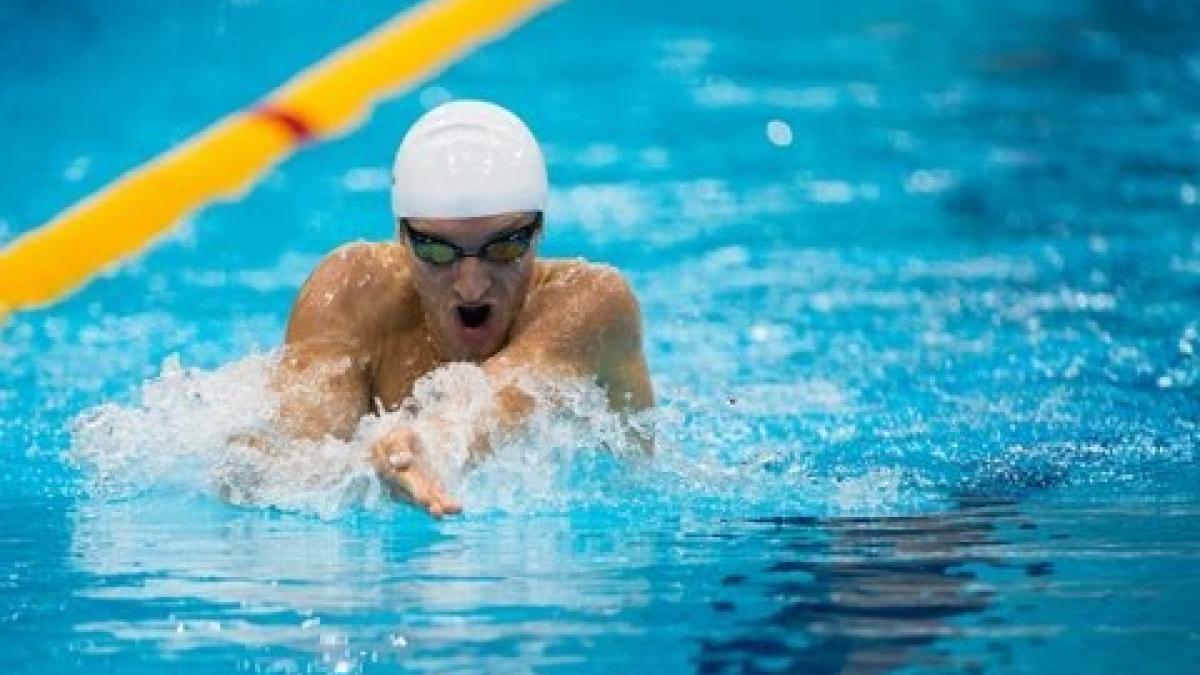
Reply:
x=398, y=462
x=440, y=502
x=435, y=500
x=415, y=483
x=390, y=453
x=427, y=492
x=400, y=459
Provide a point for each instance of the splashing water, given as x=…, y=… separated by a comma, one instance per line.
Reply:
x=185, y=433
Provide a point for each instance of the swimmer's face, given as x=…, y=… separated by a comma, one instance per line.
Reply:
x=470, y=302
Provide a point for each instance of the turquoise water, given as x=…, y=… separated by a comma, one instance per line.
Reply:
x=920, y=282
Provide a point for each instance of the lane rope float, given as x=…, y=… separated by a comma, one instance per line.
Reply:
x=329, y=98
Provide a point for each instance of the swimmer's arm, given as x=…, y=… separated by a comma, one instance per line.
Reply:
x=627, y=381
x=323, y=378
x=322, y=389
x=624, y=373
x=607, y=341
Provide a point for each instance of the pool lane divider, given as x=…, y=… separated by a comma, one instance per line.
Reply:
x=222, y=162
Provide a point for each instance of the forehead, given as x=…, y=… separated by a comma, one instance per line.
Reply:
x=468, y=230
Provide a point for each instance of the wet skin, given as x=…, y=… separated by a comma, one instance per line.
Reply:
x=374, y=318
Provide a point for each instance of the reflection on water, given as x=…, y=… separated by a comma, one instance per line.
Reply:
x=860, y=595
x=821, y=595
x=343, y=594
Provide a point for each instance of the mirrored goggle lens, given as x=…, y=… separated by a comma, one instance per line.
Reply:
x=433, y=252
x=505, y=251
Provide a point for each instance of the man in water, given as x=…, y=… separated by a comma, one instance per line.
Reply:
x=461, y=284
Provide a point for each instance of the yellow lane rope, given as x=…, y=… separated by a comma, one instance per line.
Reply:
x=223, y=161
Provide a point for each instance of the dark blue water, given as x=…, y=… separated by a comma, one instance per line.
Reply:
x=920, y=281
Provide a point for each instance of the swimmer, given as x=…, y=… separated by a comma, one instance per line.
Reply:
x=462, y=283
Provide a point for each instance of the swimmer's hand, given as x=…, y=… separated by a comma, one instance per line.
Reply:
x=400, y=461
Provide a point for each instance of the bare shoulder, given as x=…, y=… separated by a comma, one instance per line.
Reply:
x=594, y=299
x=352, y=289
x=586, y=284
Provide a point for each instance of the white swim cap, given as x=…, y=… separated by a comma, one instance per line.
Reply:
x=468, y=158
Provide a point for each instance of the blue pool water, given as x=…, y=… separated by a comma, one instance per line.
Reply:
x=920, y=282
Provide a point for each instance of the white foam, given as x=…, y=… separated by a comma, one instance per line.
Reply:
x=184, y=433
x=176, y=436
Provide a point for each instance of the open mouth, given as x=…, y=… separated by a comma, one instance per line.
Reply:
x=474, y=316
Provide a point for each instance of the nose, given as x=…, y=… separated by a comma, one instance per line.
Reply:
x=471, y=280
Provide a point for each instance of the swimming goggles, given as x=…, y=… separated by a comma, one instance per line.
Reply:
x=506, y=248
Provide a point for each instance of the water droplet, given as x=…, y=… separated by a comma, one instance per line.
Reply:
x=367, y=179
x=830, y=191
x=779, y=133
x=1188, y=194
x=929, y=181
